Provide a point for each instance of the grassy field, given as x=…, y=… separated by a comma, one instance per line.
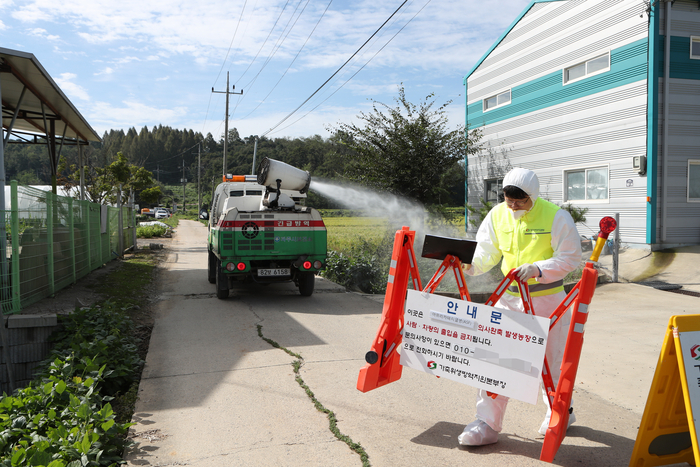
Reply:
x=359, y=235
x=345, y=232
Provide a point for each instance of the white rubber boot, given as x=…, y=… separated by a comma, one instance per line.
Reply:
x=478, y=433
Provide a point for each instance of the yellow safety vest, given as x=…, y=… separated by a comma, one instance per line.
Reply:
x=527, y=239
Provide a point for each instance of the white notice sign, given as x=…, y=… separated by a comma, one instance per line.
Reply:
x=690, y=345
x=498, y=350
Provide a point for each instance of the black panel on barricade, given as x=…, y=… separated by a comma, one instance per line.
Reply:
x=436, y=247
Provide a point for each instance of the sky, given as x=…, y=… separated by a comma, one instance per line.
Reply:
x=304, y=66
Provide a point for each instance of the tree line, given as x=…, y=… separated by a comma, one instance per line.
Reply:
x=405, y=149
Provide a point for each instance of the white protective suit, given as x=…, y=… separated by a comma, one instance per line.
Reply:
x=566, y=244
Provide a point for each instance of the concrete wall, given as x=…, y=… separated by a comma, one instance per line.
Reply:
x=28, y=344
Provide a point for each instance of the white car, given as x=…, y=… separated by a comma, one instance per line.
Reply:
x=162, y=214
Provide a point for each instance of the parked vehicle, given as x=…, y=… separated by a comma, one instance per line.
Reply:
x=260, y=232
x=162, y=214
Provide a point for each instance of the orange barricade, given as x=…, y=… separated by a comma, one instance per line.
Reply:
x=383, y=365
x=560, y=400
x=383, y=360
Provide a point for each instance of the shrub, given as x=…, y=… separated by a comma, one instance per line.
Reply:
x=364, y=267
x=104, y=335
x=150, y=231
x=64, y=418
x=61, y=420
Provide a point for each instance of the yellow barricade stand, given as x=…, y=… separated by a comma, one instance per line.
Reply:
x=668, y=433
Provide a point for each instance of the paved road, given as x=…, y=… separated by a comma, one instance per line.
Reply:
x=215, y=394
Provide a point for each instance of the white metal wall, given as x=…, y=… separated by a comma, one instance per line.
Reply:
x=606, y=128
x=681, y=218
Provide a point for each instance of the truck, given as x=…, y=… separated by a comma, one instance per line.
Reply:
x=260, y=231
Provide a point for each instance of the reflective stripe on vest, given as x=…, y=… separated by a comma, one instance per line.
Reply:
x=526, y=240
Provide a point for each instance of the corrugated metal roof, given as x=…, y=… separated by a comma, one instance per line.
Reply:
x=21, y=69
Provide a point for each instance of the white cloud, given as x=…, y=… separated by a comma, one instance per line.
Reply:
x=71, y=89
x=43, y=33
x=105, y=72
x=162, y=53
x=105, y=116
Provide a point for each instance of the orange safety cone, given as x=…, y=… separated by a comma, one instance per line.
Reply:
x=383, y=361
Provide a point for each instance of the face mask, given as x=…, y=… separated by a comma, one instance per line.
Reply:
x=518, y=214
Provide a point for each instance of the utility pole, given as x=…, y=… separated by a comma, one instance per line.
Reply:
x=255, y=153
x=227, y=92
x=184, y=182
x=199, y=183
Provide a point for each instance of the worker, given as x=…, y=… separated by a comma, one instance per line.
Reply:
x=541, y=242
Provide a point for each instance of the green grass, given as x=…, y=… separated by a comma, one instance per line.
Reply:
x=126, y=284
x=344, y=232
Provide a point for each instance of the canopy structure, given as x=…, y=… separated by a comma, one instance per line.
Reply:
x=33, y=104
x=35, y=110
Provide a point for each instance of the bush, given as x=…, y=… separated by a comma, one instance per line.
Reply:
x=363, y=267
x=61, y=420
x=105, y=335
x=64, y=418
x=150, y=231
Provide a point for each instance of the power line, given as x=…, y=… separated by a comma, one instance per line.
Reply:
x=358, y=71
x=292, y=62
x=223, y=64
x=337, y=71
x=278, y=44
x=264, y=42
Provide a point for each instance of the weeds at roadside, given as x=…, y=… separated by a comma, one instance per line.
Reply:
x=332, y=420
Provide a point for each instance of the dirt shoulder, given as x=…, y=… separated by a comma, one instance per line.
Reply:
x=85, y=292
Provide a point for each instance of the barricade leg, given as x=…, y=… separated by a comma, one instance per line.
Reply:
x=383, y=362
x=454, y=263
x=561, y=401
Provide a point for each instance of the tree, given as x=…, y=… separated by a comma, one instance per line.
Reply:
x=406, y=149
x=102, y=182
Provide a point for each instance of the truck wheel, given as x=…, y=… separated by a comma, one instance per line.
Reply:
x=306, y=283
x=221, y=282
x=211, y=269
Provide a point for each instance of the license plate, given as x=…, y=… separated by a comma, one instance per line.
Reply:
x=275, y=272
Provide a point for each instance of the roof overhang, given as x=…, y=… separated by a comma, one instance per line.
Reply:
x=33, y=106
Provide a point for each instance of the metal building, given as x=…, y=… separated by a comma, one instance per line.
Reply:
x=601, y=98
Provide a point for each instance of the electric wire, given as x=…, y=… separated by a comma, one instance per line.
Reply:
x=292, y=62
x=336, y=72
x=264, y=42
x=280, y=45
x=223, y=64
x=359, y=70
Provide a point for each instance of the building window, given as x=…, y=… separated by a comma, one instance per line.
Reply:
x=586, y=184
x=497, y=100
x=493, y=190
x=587, y=68
x=694, y=181
x=695, y=48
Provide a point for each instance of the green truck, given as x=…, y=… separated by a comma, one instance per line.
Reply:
x=259, y=231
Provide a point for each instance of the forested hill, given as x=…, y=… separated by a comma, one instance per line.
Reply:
x=163, y=151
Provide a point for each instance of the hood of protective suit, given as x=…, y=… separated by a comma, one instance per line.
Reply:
x=524, y=179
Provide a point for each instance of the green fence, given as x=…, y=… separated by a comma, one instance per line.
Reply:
x=52, y=241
